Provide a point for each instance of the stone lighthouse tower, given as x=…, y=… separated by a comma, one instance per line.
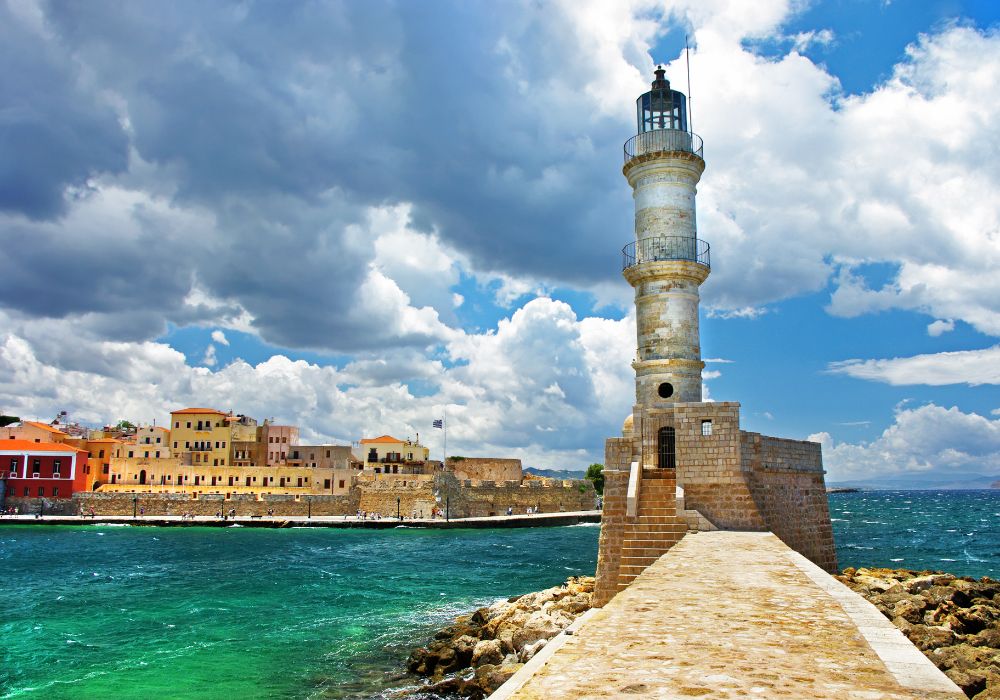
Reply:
x=683, y=464
x=667, y=263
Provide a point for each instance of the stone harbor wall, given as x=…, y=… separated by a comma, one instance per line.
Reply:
x=46, y=506
x=472, y=499
x=617, y=461
x=416, y=497
x=123, y=504
x=786, y=481
x=486, y=468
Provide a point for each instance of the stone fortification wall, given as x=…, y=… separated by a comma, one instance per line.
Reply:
x=486, y=469
x=617, y=460
x=413, y=496
x=710, y=468
x=472, y=499
x=113, y=503
x=786, y=480
x=48, y=506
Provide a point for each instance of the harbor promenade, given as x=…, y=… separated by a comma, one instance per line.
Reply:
x=731, y=615
x=329, y=521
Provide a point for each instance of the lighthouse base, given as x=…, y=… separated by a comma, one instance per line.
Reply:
x=689, y=467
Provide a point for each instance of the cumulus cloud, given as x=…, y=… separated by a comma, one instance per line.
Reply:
x=962, y=367
x=921, y=439
x=940, y=327
x=219, y=337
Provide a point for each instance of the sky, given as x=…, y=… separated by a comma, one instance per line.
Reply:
x=359, y=217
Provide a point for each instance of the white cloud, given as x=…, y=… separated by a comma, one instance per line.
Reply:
x=961, y=367
x=940, y=327
x=209, y=360
x=219, y=337
x=925, y=439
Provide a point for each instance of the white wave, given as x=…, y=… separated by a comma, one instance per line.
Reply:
x=900, y=559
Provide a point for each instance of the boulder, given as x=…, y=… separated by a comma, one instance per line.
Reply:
x=487, y=651
x=928, y=638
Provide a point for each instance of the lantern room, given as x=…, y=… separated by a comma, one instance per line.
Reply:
x=661, y=107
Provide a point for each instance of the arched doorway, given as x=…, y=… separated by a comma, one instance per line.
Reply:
x=666, y=448
x=142, y=476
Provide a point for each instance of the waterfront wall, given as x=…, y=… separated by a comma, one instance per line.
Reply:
x=123, y=504
x=486, y=468
x=617, y=460
x=48, y=506
x=471, y=499
x=786, y=480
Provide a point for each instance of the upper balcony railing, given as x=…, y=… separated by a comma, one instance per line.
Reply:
x=666, y=248
x=663, y=140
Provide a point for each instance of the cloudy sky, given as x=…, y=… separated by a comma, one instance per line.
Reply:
x=361, y=216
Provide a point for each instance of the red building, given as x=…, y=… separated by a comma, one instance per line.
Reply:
x=42, y=469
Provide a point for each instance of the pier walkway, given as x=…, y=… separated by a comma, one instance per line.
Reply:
x=731, y=615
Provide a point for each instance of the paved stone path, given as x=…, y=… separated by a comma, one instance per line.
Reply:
x=733, y=615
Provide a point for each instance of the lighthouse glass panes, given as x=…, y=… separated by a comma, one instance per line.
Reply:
x=661, y=108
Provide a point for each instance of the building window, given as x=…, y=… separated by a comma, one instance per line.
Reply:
x=130, y=454
x=41, y=491
x=341, y=482
x=157, y=441
x=146, y=454
x=100, y=453
x=706, y=428
x=13, y=463
x=189, y=424
x=55, y=492
x=27, y=492
x=326, y=483
x=177, y=424
x=175, y=444
x=105, y=469
x=56, y=467
x=36, y=465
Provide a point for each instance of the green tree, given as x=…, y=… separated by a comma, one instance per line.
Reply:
x=595, y=472
x=125, y=426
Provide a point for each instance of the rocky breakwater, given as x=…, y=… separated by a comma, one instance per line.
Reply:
x=953, y=620
x=479, y=652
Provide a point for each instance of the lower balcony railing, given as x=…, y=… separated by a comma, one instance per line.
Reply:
x=666, y=248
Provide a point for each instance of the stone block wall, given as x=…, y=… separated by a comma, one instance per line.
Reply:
x=473, y=499
x=417, y=496
x=617, y=461
x=487, y=469
x=789, y=491
x=48, y=506
x=122, y=504
x=710, y=468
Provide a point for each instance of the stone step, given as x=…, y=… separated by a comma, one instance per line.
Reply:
x=635, y=531
x=637, y=557
x=654, y=520
x=657, y=510
x=647, y=542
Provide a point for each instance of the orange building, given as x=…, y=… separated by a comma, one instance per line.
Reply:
x=31, y=469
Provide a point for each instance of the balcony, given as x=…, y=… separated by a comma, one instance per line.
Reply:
x=666, y=248
x=663, y=141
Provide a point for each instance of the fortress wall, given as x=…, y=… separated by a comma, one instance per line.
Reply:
x=711, y=468
x=473, y=499
x=48, y=506
x=617, y=460
x=416, y=497
x=786, y=480
x=487, y=469
x=116, y=503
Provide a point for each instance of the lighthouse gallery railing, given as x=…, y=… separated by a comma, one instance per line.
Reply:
x=666, y=248
x=663, y=140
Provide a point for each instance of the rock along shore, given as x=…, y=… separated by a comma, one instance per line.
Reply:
x=479, y=652
x=953, y=620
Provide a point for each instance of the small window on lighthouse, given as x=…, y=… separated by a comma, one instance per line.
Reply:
x=666, y=390
x=706, y=428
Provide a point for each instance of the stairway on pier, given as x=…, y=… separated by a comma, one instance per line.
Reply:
x=655, y=528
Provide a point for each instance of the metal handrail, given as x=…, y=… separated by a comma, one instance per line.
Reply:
x=663, y=141
x=666, y=248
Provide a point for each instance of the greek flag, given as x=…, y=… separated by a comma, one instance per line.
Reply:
x=439, y=423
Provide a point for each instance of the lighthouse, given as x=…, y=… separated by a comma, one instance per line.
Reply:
x=666, y=263
x=683, y=464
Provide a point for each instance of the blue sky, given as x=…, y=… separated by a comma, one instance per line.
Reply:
x=360, y=217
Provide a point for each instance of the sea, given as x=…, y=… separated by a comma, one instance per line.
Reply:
x=96, y=611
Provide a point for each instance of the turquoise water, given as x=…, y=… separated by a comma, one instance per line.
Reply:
x=137, y=612
x=953, y=531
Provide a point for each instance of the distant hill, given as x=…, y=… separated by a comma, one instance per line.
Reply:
x=932, y=481
x=556, y=473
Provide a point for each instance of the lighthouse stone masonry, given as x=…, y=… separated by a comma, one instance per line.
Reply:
x=682, y=464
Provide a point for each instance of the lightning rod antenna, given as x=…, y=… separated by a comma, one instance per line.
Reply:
x=687, y=58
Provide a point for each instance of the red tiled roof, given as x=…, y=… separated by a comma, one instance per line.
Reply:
x=7, y=446
x=160, y=427
x=384, y=438
x=198, y=410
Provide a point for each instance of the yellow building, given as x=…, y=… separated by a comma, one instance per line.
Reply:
x=33, y=431
x=149, y=441
x=389, y=455
x=200, y=436
x=151, y=475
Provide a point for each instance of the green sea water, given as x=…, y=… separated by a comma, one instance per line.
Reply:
x=142, y=612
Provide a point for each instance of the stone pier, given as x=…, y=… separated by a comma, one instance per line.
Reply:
x=732, y=615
